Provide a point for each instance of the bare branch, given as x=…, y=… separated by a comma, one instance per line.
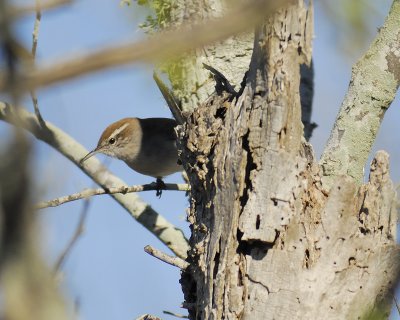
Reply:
x=123, y=189
x=36, y=26
x=35, y=37
x=24, y=275
x=75, y=237
x=147, y=317
x=375, y=80
x=161, y=46
x=18, y=12
x=177, y=315
x=173, y=261
x=170, y=235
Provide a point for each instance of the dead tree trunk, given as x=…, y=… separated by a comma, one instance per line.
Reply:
x=269, y=239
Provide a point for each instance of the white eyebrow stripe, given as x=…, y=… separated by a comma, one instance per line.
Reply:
x=119, y=130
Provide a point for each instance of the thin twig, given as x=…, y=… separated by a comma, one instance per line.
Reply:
x=175, y=314
x=18, y=12
x=148, y=317
x=35, y=37
x=36, y=107
x=221, y=82
x=161, y=46
x=173, y=261
x=75, y=237
x=123, y=189
x=36, y=26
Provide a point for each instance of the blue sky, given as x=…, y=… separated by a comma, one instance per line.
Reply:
x=108, y=273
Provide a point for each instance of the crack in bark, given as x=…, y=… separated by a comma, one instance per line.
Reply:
x=250, y=165
x=260, y=283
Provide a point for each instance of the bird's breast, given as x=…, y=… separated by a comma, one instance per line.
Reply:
x=155, y=159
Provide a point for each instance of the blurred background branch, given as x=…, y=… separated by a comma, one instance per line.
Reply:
x=17, y=12
x=79, y=230
x=161, y=46
x=28, y=288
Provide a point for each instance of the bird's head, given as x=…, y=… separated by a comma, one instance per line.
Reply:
x=121, y=139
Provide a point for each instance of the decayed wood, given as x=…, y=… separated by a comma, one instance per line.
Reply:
x=192, y=83
x=269, y=240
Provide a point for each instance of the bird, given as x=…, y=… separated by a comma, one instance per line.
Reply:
x=147, y=146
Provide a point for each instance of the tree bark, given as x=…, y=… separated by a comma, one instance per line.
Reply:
x=191, y=82
x=269, y=239
x=373, y=86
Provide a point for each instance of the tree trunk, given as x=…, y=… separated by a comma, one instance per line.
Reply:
x=269, y=239
x=191, y=82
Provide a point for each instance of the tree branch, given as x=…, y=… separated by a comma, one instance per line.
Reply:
x=75, y=237
x=26, y=283
x=17, y=12
x=35, y=38
x=147, y=317
x=375, y=80
x=161, y=46
x=177, y=315
x=173, y=261
x=71, y=149
x=84, y=194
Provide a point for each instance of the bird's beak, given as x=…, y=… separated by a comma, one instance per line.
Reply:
x=89, y=155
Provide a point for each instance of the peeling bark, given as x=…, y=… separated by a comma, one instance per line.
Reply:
x=269, y=239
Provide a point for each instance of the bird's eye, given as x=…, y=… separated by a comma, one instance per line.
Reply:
x=111, y=141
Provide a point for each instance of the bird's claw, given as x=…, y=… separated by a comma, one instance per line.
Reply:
x=160, y=186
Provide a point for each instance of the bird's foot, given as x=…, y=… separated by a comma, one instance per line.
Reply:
x=160, y=186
